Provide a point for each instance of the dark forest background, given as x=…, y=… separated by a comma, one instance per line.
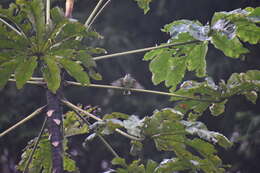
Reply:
x=124, y=27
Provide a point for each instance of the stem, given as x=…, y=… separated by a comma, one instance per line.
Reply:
x=48, y=15
x=38, y=81
x=100, y=137
x=140, y=90
x=36, y=112
x=108, y=145
x=74, y=107
x=10, y=26
x=35, y=147
x=143, y=50
x=54, y=121
x=99, y=12
x=93, y=13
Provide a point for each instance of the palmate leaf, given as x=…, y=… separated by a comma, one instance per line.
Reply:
x=170, y=64
x=51, y=73
x=75, y=70
x=230, y=47
x=144, y=4
x=170, y=133
x=35, y=13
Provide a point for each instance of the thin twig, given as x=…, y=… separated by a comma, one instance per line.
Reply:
x=140, y=90
x=37, y=111
x=74, y=107
x=38, y=81
x=93, y=13
x=143, y=50
x=35, y=146
x=10, y=26
x=48, y=15
x=109, y=147
x=98, y=13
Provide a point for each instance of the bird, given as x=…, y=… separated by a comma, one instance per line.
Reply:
x=127, y=82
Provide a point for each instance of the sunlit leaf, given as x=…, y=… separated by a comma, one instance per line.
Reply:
x=230, y=47
x=217, y=108
x=144, y=4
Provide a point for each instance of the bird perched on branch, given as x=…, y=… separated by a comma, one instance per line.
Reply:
x=127, y=82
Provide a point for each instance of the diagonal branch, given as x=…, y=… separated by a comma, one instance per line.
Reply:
x=39, y=81
x=35, y=147
x=110, y=148
x=36, y=112
x=92, y=15
x=143, y=50
x=74, y=107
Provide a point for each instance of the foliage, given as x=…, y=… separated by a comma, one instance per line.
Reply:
x=31, y=44
x=28, y=41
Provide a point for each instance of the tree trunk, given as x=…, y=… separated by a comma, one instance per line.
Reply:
x=54, y=113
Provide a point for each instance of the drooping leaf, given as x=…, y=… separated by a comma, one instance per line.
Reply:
x=24, y=70
x=51, y=73
x=75, y=70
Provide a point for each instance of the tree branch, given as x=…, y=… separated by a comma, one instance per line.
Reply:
x=143, y=50
x=36, y=112
x=39, y=81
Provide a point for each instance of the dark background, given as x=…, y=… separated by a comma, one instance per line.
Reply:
x=124, y=27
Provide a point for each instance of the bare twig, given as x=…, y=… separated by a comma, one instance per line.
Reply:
x=35, y=146
x=98, y=13
x=36, y=112
x=143, y=50
x=109, y=147
x=93, y=13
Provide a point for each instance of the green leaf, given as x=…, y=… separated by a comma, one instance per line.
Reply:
x=6, y=69
x=36, y=15
x=197, y=59
x=24, y=70
x=136, y=148
x=150, y=166
x=166, y=68
x=73, y=125
x=144, y=4
x=251, y=96
x=217, y=108
x=115, y=115
x=75, y=70
x=51, y=73
x=230, y=47
x=248, y=32
x=133, y=125
x=192, y=28
x=119, y=161
x=69, y=164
